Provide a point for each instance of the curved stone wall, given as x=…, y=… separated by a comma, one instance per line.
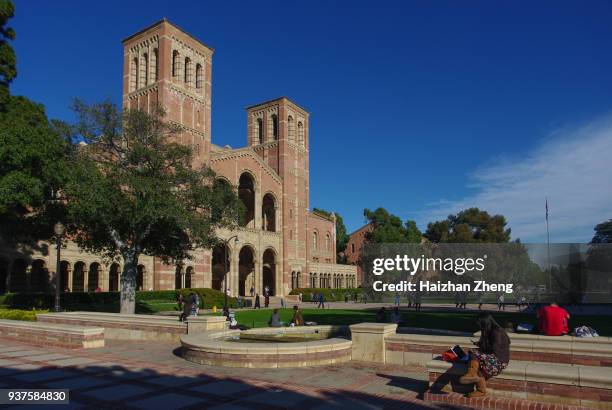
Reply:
x=212, y=348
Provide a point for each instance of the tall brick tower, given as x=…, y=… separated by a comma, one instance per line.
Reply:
x=278, y=132
x=164, y=65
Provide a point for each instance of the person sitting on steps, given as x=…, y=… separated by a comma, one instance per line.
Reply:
x=491, y=357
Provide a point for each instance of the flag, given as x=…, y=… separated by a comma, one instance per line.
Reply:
x=546, y=209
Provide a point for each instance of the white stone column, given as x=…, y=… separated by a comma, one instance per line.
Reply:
x=369, y=341
x=85, y=278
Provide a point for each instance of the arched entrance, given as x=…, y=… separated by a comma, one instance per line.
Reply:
x=178, y=277
x=39, y=276
x=268, y=213
x=246, y=270
x=19, y=282
x=78, y=277
x=140, y=273
x=246, y=192
x=219, y=266
x=188, y=277
x=3, y=274
x=93, y=277
x=269, y=270
x=64, y=275
x=113, y=278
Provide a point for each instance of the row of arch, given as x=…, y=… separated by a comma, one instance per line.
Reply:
x=315, y=242
x=246, y=193
x=144, y=70
x=331, y=280
x=272, y=133
x=249, y=276
x=20, y=276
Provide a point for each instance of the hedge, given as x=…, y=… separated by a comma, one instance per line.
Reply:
x=16, y=314
x=331, y=295
x=109, y=301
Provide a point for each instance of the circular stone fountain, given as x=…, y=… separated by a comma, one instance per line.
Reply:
x=269, y=347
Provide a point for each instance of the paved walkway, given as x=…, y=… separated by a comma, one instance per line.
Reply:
x=151, y=376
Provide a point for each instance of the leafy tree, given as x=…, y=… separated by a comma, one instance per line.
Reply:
x=341, y=234
x=8, y=62
x=388, y=228
x=603, y=232
x=468, y=226
x=33, y=157
x=133, y=191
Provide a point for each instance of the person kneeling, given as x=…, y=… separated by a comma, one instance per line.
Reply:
x=491, y=357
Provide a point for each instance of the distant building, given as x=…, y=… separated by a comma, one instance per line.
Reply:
x=354, y=248
x=282, y=245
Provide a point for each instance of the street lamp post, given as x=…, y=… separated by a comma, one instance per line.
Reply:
x=59, y=232
x=225, y=245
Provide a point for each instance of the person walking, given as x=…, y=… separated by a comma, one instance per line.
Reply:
x=252, y=291
x=500, y=302
x=321, y=301
x=397, y=299
x=257, y=305
x=491, y=357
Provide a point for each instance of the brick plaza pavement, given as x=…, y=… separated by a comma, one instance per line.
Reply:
x=147, y=375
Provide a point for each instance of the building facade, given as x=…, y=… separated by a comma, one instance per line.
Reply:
x=281, y=245
x=354, y=248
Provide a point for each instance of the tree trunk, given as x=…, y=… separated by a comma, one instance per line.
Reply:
x=128, y=282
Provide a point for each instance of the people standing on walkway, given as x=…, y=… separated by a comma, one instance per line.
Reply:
x=252, y=291
x=501, y=302
x=282, y=302
x=491, y=357
x=417, y=301
x=266, y=300
x=180, y=300
x=257, y=305
x=321, y=301
x=397, y=299
x=315, y=297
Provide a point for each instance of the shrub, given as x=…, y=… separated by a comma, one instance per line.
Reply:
x=18, y=314
x=109, y=301
x=331, y=295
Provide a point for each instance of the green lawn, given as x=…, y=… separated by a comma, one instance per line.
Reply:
x=459, y=321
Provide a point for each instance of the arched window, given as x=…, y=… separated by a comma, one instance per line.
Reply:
x=134, y=74
x=155, y=65
x=300, y=133
x=145, y=70
x=291, y=128
x=198, y=76
x=315, y=241
x=176, y=62
x=327, y=242
x=187, y=73
x=260, y=130
x=274, y=127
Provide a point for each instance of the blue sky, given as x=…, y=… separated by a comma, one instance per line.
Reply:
x=424, y=108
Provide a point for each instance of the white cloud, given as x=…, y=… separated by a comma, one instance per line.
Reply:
x=573, y=167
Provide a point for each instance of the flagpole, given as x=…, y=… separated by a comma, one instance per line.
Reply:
x=548, y=248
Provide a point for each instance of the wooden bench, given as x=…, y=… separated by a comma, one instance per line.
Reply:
x=50, y=334
x=136, y=327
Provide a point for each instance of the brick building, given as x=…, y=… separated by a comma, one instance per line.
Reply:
x=282, y=245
